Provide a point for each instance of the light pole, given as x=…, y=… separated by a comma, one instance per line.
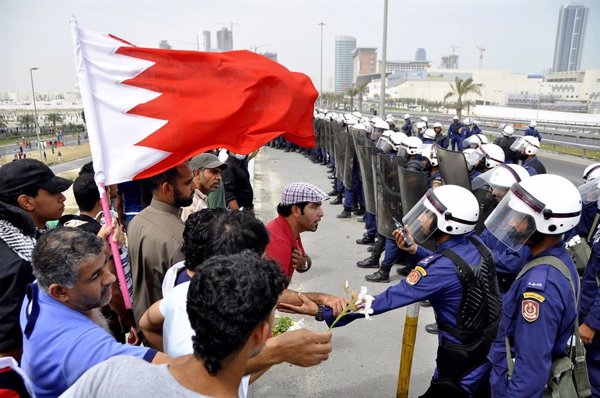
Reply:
x=37, y=126
x=383, y=60
x=537, y=112
x=321, y=78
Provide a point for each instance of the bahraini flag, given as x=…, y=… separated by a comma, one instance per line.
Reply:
x=150, y=109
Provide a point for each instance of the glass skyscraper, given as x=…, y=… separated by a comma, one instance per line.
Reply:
x=344, y=47
x=569, y=38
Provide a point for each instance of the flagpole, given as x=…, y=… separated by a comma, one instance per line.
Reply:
x=93, y=133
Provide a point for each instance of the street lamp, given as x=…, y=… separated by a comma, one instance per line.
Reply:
x=321, y=78
x=37, y=126
x=383, y=60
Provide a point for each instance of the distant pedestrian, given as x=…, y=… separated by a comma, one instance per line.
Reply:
x=59, y=156
x=45, y=156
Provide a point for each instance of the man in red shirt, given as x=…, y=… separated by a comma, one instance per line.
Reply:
x=299, y=210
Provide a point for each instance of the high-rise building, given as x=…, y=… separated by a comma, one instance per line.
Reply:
x=164, y=44
x=270, y=54
x=204, y=40
x=421, y=55
x=450, y=62
x=572, y=20
x=344, y=47
x=364, y=61
x=224, y=39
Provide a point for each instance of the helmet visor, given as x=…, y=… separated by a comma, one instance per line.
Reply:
x=473, y=141
x=421, y=220
x=473, y=158
x=384, y=144
x=511, y=222
x=518, y=145
x=590, y=191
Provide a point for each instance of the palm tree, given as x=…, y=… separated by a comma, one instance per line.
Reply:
x=361, y=90
x=26, y=120
x=55, y=118
x=352, y=92
x=3, y=124
x=461, y=88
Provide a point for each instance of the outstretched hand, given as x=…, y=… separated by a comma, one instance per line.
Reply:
x=308, y=307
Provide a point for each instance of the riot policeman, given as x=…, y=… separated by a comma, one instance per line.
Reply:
x=459, y=281
x=464, y=132
x=441, y=140
x=539, y=310
x=527, y=148
x=532, y=131
x=453, y=133
x=407, y=128
x=505, y=142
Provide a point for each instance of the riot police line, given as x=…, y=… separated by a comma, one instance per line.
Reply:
x=472, y=189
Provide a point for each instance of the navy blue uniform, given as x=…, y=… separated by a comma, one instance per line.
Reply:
x=533, y=132
x=534, y=166
x=588, y=213
x=453, y=132
x=464, y=133
x=589, y=313
x=407, y=128
x=438, y=283
x=538, y=316
x=475, y=130
x=508, y=262
x=442, y=141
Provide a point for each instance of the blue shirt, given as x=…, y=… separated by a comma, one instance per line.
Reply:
x=407, y=128
x=533, y=132
x=506, y=260
x=535, y=342
x=588, y=213
x=454, y=128
x=589, y=305
x=440, y=286
x=60, y=344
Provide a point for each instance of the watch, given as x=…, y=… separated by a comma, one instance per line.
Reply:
x=319, y=317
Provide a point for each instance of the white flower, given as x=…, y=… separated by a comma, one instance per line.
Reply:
x=347, y=285
x=297, y=325
x=367, y=302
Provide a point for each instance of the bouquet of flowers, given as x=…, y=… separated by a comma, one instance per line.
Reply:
x=286, y=324
x=357, y=303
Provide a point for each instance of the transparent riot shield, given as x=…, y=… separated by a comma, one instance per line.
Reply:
x=486, y=206
x=453, y=168
x=365, y=155
x=339, y=150
x=349, y=162
x=387, y=193
x=413, y=185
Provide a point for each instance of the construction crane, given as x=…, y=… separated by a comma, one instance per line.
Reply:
x=481, y=51
x=255, y=48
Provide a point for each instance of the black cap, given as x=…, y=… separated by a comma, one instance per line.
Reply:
x=19, y=174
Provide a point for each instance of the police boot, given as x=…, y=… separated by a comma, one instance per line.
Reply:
x=360, y=211
x=333, y=192
x=370, y=262
x=338, y=201
x=381, y=275
x=366, y=240
x=432, y=328
x=347, y=213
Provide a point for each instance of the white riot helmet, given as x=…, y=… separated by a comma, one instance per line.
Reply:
x=494, y=155
x=407, y=116
x=396, y=139
x=390, y=120
x=533, y=205
x=421, y=125
x=474, y=122
x=591, y=172
x=424, y=119
x=360, y=126
x=590, y=191
x=467, y=121
x=471, y=158
x=437, y=124
x=383, y=142
x=500, y=179
x=529, y=143
x=508, y=130
x=377, y=119
x=429, y=134
x=455, y=118
x=389, y=115
x=450, y=208
x=412, y=145
x=380, y=124
x=475, y=141
x=429, y=153
x=357, y=114
x=533, y=124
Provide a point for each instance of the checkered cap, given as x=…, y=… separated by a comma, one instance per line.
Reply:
x=299, y=192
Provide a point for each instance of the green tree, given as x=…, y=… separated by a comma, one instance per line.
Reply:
x=361, y=89
x=55, y=118
x=352, y=92
x=3, y=124
x=26, y=121
x=461, y=88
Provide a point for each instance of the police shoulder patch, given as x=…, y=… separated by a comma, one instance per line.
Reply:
x=421, y=270
x=413, y=277
x=536, y=296
x=536, y=278
x=530, y=310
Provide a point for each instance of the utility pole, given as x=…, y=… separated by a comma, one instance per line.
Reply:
x=37, y=125
x=383, y=60
x=321, y=24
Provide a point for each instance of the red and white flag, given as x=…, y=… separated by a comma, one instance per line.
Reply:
x=149, y=109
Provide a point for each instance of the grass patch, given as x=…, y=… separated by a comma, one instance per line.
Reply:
x=68, y=153
x=574, y=151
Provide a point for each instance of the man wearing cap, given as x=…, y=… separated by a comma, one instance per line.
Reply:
x=207, y=177
x=30, y=196
x=299, y=210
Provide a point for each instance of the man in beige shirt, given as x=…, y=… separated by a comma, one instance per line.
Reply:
x=207, y=177
x=155, y=235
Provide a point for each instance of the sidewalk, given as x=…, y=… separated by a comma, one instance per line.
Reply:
x=366, y=354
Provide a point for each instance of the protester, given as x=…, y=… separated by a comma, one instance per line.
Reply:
x=155, y=235
x=207, y=170
x=30, y=196
x=299, y=211
x=64, y=333
x=236, y=178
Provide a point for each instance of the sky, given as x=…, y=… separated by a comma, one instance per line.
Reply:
x=518, y=35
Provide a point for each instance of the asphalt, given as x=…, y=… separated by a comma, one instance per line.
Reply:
x=366, y=353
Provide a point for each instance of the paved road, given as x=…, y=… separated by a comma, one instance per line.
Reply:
x=68, y=166
x=365, y=357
